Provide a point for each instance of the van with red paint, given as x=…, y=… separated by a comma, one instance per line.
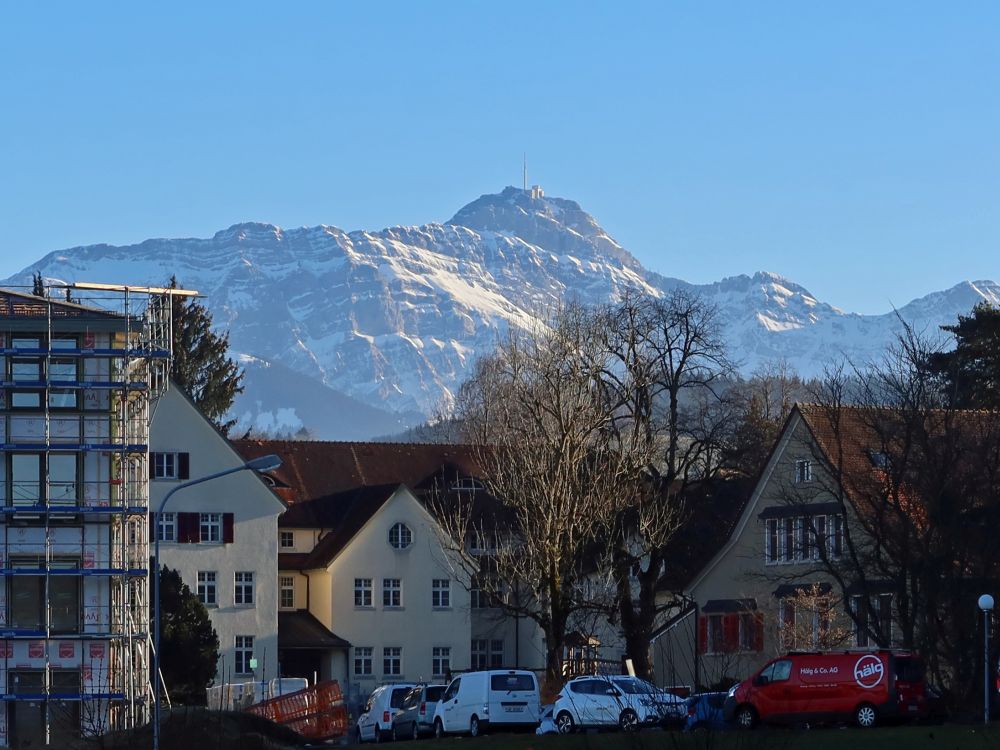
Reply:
x=865, y=687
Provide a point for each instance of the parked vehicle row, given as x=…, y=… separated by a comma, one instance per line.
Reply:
x=509, y=699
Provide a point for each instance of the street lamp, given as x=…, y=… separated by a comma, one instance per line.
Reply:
x=986, y=604
x=264, y=463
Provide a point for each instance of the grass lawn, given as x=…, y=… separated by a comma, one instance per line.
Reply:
x=881, y=738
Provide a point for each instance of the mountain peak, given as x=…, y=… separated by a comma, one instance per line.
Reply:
x=556, y=224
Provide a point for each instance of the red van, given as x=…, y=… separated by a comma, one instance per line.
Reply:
x=864, y=687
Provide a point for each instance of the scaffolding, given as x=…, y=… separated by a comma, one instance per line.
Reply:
x=78, y=380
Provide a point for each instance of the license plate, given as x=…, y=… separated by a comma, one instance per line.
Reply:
x=514, y=709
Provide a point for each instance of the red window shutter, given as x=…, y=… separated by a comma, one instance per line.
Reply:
x=152, y=527
x=183, y=465
x=227, y=528
x=730, y=633
x=152, y=466
x=702, y=634
x=758, y=632
x=188, y=528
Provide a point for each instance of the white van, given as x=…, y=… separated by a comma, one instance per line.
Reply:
x=375, y=722
x=477, y=701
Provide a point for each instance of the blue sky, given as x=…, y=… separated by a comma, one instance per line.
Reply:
x=853, y=147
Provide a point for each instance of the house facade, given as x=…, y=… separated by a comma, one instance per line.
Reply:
x=770, y=587
x=221, y=536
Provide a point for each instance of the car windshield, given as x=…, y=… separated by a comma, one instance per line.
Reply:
x=909, y=669
x=634, y=686
x=434, y=693
x=398, y=696
x=512, y=682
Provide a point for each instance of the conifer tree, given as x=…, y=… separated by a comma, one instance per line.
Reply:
x=189, y=645
x=971, y=371
x=200, y=364
x=37, y=284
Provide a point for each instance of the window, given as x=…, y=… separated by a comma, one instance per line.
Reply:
x=363, y=660
x=164, y=466
x=286, y=592
x=496, y=654
x=243, y=592
x=400, y=536
x=772, y=541
x=478, y=599
x=863, y=627
x=788, y=548
x=392, y=592
x=210, y=527
x=747, y=631
x=779, y=671
x=392, y=661
x=167, y=527
x=206, y=588
x=440, y=660
x=803, y=471
x=786, y=624
x=62, y=478
x=362, y=592
x=25, y=478
x=480, y=653
x=286, y=539
x=836, y=543
x=716, y=635
x=27, y=602
x=244, y=654
x=801, y=538
x=880, y=460
x=819, y=546
x=441, y=593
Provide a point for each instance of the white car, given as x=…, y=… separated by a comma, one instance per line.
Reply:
x=375, y=721
x=625, y=702
x=477, y=701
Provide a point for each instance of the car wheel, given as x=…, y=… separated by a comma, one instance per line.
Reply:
x=379, y=735
x=474, y=726
x=565, y=723
x=628, y=721
x=865, y=716
x=361, y=739
x=438, y=728
x=746, y=717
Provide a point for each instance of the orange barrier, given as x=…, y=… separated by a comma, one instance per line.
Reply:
x=316, y=713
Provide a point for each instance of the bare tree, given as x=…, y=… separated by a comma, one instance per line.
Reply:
x=665, y=381
x=537, y=408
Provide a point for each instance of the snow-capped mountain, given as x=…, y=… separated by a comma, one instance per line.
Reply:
x=391, y=320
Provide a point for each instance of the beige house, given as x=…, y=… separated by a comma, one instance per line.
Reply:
x=768, y=588
x=221, y=536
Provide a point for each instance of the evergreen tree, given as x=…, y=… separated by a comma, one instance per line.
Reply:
x=37, y=284
x=200, y=365
x=189, y=645
x=971, y=372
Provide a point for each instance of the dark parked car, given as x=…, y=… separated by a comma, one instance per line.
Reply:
x=415, y=717
x=706, y=711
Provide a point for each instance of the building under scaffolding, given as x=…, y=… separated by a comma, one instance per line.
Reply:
x=78, y=381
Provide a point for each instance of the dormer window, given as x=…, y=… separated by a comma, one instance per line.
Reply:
x=803, y=471
x=400, y=536
x=467, y=484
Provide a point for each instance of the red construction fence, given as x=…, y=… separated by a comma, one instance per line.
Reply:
x=317, y=713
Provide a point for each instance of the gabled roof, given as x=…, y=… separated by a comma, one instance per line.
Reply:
x=316, y=469
x=301, y=630
x=345, y=513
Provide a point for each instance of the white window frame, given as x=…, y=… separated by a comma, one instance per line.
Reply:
x=480, y=653
x=165, y=465
x=210, y=525
x=208, y=589
x=166, y=527
x=363, y=658
x=400, y=536
x=440, y=660
x=286, y=586
x=392, y=661
x=497, y=652
x=363, y=588
x=244, y=594
x=392, y=590
x=803, y=471
x=243, y=654
x=441, y=593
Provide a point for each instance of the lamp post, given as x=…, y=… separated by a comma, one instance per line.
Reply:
x=264, y=463
x=986, y=604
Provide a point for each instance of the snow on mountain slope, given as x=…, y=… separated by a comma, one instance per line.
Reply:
x=394, y=318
